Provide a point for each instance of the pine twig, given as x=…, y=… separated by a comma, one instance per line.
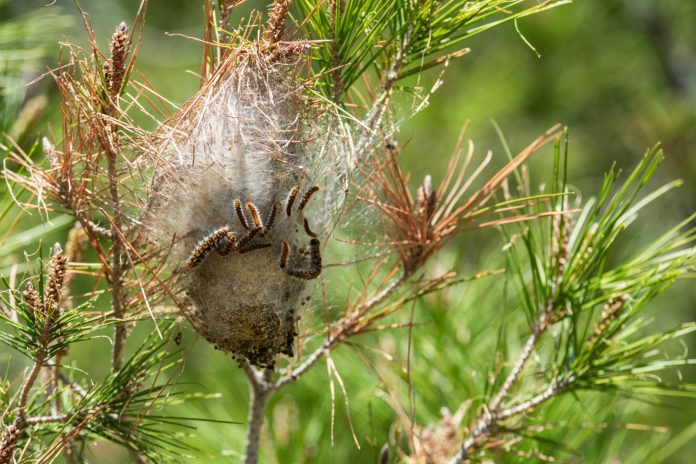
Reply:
x=48, y=310
x=335, y=53
x=330, y=342
x=115, y=75
x=520, y=363
x=54, y=419
x=115, y=276
x=492, y=411
x=261, y=386
x=373, y=119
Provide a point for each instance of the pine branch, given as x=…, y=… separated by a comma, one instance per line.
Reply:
x=559, y=293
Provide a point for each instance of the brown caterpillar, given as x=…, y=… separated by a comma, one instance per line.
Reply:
x=252, y=247
x=314, y=270
x=305, y=198
x=270, y=219
x=308, y=230
x=240, y=213
x=254, y=215
x=284, y=254
x=222, y=239
x=246, y=239
x=291, y=199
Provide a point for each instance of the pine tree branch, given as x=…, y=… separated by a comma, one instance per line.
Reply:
x=260, y=388
x=53, y=419
x=261, y=385
x=492, y=411
x=340, y=336
x=116, y=268
x=552, y=390
x=29, y=383
x=519, y=364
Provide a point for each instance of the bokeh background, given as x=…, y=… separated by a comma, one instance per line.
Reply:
x=621, y=74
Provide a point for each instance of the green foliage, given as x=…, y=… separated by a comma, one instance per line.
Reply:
x=124, y=408
x=565, y=270
x=24, y=335
x=400, y=38
x=127, y=405
x=26, y=40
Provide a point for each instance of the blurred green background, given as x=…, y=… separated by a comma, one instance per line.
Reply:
x=621, y=74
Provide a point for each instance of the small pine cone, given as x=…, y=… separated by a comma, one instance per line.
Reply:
x=56, y=277
x=33, y=300
x=610, y=312
x=276, y=20
x=8, y=442
x=117, y=64
x=559, y=241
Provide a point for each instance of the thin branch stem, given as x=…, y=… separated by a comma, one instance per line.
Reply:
x=374, y=117
x=553, y=390
x=259, y=390
x=492, y=412
x=116, y=251
x=261, y=385
x=489, y=419
x=73, y=386
x=44, y=340
x=519, y=364
x=28, y=383
x=342, y=334
x=57, y=418
x=11, y=435
x=56, y=403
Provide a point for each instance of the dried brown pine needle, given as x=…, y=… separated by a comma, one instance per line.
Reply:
x=417, y=228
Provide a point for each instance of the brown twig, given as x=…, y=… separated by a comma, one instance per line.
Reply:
x=341, y=334
x=115, y=276
x=109, y=143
